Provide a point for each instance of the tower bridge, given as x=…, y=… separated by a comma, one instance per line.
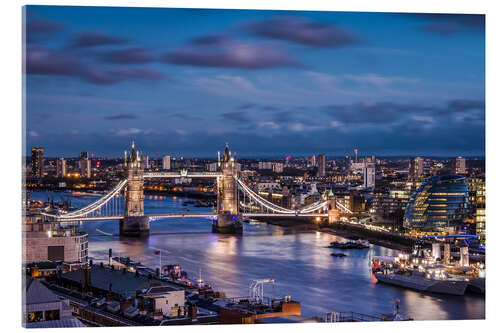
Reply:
x=235, y=200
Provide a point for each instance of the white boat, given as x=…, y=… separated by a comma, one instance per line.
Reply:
x=423, y=281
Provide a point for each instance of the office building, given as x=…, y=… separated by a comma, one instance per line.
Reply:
x=458, y=166
x=477, y=204
x=438, y=204
x=85, y=168
x=61, y=168
x=265, y=165
x=145, y=161
x=368, y=174
x=37, y=162
x=278, y=167
x=416, y=169
x=83, y=155
x=166, y=162
x=321, y=165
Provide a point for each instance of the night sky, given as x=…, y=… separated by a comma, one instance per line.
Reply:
x=184, y=82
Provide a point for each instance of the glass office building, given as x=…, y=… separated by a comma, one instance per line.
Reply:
x=439, y=203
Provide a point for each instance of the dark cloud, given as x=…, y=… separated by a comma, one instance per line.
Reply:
x=270, y=108
x=376, y=113
x=303, y=31
x=47, y=62
x=37, y=28
x=43, y=61
x=115, y=75
x=236, y=116
x=220, y=51
x=184, y=116
x=388, y=112
x=133, y=55
x=121, y=116
x=94, y=38
x=245, y=106
x=451, y=24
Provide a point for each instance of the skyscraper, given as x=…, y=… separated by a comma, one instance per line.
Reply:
x=321, y=165
x=313, y=160
x=85, y=169
x=166, y=162
x=356, y=155
x=458, y=166
x=37, y=162
x=368, y=174
x=416, y=169
x=61, y=168
x=84, y=155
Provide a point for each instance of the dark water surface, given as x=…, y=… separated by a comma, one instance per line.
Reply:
x=300, y=263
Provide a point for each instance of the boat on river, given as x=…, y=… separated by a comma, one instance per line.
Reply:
x=358, y=244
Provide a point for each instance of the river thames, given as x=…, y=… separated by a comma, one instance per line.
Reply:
x=299, y=261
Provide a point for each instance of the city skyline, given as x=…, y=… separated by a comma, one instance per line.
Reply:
x=272, y=83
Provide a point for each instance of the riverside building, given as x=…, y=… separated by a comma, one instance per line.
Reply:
x=439, y=205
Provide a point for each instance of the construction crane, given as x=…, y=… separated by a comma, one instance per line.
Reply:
x=257, y=289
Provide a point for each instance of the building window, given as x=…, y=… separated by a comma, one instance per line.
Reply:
x=35, y=316
x=52, y=315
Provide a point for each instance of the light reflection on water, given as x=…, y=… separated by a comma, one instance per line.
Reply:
x=300, y=263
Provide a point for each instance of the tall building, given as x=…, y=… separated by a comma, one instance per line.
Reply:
x=166, y=162
x=458, y=166
x=438, y=204
x=61, y=168
x=37, y=162
x=368, y=174
x=477, y=203
x=321, y=165
x=83, y=155
x=145, y=161
x=356, y=155
x=85, y=168
x=416, y=169
x=265, y=165
x=313, y=160
x=278, y=167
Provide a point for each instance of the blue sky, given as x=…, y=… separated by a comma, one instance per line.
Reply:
x=271, y=83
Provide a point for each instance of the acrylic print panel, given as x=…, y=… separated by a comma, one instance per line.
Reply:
x=192, y=166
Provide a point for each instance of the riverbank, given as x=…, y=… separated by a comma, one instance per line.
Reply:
x=345, y=230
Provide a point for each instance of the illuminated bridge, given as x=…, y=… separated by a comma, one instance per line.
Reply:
x=235, y=200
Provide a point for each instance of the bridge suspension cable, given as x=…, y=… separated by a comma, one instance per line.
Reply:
x=278, y=209
x=93, y=207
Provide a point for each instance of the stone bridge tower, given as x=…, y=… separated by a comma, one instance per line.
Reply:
x=228, y=218
x=134, y=222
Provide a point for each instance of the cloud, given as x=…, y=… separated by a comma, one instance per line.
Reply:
x=269, y=124
x=303, y=31
x=94, y=38
x=236, y=116
x=388, y=113
x=245, y=106
x=44, y=61
x=133, y=55
x=33, y=134
x=452, y=24
x=220, y=51
x=126, y=131
x=38, y=28
x=121, y=116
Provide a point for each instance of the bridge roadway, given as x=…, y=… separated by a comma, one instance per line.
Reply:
x=181, y=174
x=184, y=215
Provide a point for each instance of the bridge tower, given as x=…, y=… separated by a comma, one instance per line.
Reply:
x=333, y=211
x=134, y=222
x=228, y=218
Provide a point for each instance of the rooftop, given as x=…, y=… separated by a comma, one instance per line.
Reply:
x=123, y=283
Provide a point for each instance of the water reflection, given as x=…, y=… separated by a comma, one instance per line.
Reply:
x=300, y=263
